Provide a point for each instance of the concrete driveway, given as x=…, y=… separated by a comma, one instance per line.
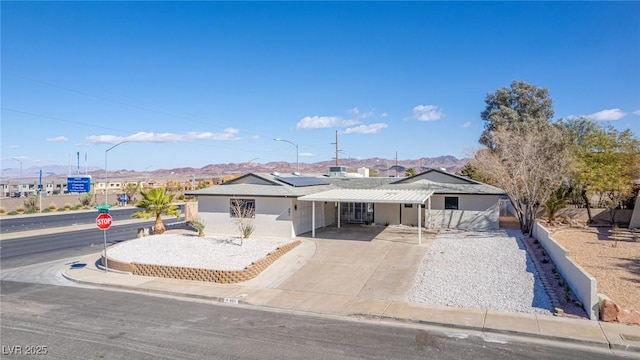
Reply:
x=361, y=261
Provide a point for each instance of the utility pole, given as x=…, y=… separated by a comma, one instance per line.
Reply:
x=396, y=163
x=337, y=149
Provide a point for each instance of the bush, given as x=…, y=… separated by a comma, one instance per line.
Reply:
x=2, y=210
x=12, y=213
x=46, y=210
x=52, y=207
x=199, y=225
x=67, y=206
x=247, y=230
x=20, y=209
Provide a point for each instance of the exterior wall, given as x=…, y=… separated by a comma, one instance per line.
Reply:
x=330, y=213
x=475, y=212
x=581, y=282
x=410, y=214
x=386, y=214
x=273, y=216
x=634, y=223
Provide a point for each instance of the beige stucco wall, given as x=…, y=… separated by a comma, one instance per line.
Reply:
x=273, y=216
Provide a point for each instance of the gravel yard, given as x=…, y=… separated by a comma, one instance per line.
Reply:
x=188, y=250
x=483, y=270
x=616, y=267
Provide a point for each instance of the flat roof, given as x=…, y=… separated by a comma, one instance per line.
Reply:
x=393, y=196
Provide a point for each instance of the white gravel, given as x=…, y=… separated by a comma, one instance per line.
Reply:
x=482, y=270
x=186, y=250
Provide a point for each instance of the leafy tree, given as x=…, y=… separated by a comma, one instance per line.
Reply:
x=87, y=199
x=607, y=162
x=156, y=202
x=557, y=200
x=508, y=107
x=470, y=171
x=410, y=172
x=131, y=189
x=528, y=161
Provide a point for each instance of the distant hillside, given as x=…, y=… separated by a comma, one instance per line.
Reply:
x=383, y=167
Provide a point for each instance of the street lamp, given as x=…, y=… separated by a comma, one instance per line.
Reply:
x=106, y=177
x=297, y=154
x=20, y=184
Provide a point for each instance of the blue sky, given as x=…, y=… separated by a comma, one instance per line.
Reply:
x=196, y=83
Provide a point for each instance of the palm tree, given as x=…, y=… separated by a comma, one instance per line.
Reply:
x=156, y=202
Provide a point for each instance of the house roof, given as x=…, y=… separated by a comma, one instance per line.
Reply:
x=253, y=184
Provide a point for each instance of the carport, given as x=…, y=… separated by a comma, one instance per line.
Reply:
x=388, y=196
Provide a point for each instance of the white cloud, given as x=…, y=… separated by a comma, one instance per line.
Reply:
x=427, y=113
x=306, y=154
x=150, y=137
x=13, y=146
x=57, y=139
x=637, y=112
x=607, y=115
x=466, y=124
x=384, y=115
x=354, y=111
x=366, y=129
x=321, y=122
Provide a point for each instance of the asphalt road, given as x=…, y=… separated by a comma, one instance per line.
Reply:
x=11, y=224
x=41, y=248
x=81, y=323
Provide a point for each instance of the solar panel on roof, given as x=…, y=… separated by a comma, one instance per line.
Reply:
x=302, y=181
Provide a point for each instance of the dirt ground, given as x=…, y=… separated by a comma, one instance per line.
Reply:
x=614, y=263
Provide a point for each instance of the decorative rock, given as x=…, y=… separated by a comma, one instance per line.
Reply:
x=629, y=317
x=609, y=310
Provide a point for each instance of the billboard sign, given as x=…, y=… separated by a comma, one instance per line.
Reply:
x=79, y=184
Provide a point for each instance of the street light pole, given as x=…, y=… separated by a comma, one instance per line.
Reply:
x=106, y=173
x=106, y=201
x=297, y=153
x=20, y=184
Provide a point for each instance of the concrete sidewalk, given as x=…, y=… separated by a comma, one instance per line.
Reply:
x=299, y=282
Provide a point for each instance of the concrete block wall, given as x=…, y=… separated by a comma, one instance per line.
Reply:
x=580, y=281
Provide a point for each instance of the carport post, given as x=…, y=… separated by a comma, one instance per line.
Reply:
x=313, y=219
x=338, y=214
x=419, y=224
x=429, y=225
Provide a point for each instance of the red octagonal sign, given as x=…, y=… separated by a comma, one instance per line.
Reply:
x=104, y=221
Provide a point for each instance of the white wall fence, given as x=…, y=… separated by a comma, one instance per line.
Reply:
x=582, y=284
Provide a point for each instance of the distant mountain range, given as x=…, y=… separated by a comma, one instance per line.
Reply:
x=383, y=167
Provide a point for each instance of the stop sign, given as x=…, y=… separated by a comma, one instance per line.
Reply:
x=103, y=221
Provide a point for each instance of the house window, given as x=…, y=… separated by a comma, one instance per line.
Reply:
x=408, y=205
x=451, y=203
x=245, y=208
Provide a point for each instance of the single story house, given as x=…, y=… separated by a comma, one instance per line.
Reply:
x=287, y=206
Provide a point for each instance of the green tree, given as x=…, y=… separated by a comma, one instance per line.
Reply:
x=410, y=172
x=131, y=189
x=471, y=172
x=607, y=162
x=557, y=200
x=156, y=202
x=508, y=107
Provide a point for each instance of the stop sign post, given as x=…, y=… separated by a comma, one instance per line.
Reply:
x=104, y=221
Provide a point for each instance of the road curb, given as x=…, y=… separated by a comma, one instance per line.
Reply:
x=606, y=345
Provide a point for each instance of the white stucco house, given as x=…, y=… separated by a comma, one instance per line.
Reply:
x=287, y=206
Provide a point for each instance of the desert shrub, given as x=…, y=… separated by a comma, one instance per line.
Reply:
x=12, y=213
x=31, y=205
x=52, y=207
x=199, y=225
x=67, y=206
x=2, y=210
x=46, y=210
x=247, y=231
